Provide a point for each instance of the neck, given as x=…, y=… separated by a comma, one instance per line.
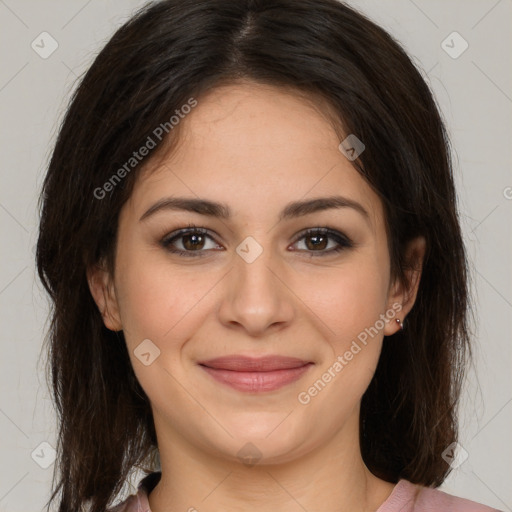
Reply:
x=332, y=476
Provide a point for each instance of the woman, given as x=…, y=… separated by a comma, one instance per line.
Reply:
x=250, y=237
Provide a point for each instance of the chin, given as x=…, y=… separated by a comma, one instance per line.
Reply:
x=260, y=441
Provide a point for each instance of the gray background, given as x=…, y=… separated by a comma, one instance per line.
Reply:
x=475, y=94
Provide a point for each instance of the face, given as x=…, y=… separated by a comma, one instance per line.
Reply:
x=271, y=276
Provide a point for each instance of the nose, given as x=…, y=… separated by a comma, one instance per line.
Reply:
x=257, y=297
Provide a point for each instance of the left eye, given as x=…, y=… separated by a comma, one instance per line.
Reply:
x=317, y=240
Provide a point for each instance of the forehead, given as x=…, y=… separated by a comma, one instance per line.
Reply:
x=255, y=146
x=249, y=118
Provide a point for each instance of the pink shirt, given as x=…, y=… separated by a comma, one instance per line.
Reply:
x=405, y=497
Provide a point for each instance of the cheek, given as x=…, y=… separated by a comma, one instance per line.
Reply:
x=351, y=305
x=156, y=300
x=162, y=305
x=349, y=299
x=350, y=302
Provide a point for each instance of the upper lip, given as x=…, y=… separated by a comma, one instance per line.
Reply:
x=254, y=364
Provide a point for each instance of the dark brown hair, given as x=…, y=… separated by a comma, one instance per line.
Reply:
x=167, y=53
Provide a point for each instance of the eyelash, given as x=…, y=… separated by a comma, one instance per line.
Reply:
x=342, y=240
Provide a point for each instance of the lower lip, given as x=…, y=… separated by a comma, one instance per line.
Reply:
x=257, y=382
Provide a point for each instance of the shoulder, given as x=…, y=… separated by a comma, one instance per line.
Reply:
x=130, y=504
x=139, y=502
x=409, y=497
x=134, y=503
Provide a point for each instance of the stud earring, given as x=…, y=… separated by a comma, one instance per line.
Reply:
x=400, y=323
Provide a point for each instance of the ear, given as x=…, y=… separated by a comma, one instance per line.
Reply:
x=102, y=289
x=405, y=296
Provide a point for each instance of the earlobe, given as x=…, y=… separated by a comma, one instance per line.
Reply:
x=103, y=293
x=405, y=295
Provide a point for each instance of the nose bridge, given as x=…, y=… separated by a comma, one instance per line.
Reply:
x=254, y=261
x=257, y=298
x=253, y=276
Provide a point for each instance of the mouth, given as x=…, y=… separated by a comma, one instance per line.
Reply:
x=256, y=374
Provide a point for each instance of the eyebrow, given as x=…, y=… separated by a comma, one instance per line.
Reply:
x=222, y=210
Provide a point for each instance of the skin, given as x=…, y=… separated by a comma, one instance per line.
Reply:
x=255, y=148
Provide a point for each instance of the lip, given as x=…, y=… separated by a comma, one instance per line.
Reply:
x=256, y=374
x=240, y=363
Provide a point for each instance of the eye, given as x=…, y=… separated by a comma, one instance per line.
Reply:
x=192, y=241
x=189, y=241
x=317, y=240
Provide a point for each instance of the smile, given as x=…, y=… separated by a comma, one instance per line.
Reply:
x=256, y=375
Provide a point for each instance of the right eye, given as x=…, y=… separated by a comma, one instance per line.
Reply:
x=192, y=240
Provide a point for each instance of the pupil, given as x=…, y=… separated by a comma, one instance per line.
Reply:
x=317, y=244
x=197, y=239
